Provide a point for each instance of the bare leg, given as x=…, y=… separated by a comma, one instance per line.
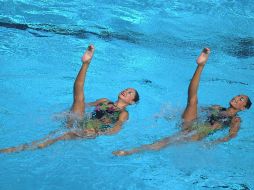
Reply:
x=44, y=142
x=78, y=89
x=174, y=139
x=190, y=112
x=89, y=133
x=66, y=136
x=78, y=105
x=40, y=143
x=155, y=146
x=180, y=137
x=50, y=135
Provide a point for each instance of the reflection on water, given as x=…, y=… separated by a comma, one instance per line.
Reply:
x=240, y=47
x=74, y=31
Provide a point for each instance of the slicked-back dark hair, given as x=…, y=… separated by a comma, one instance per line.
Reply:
x=136, y=98
x=248, y=104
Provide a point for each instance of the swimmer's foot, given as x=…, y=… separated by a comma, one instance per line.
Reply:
x=203, y=57
x=88, y=55
x=121, y=153
x=8, y=150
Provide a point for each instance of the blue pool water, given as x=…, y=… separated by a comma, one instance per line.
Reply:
x=149, y=45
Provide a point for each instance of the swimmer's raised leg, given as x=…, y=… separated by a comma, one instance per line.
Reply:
x=190, y=112
x=78, y=106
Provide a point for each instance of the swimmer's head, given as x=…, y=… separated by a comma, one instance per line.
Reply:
x=129, y=96
x=240, y=102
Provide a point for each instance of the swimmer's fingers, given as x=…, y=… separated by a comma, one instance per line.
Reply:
x=90, y=133
x=8, y=150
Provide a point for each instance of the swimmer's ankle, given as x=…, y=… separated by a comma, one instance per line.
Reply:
x=86, y=62
x=201, y=66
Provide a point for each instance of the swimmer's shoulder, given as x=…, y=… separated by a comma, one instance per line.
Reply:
x=124, y=115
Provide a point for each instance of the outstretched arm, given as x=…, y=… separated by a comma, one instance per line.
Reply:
x=234, y=128
x=118, y=125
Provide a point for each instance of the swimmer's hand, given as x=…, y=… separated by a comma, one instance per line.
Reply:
x=90, y=132
x=121, y=153
x=8, y=150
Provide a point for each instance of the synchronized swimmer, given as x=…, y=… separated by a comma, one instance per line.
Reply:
x=191, y=129
x=107, y=117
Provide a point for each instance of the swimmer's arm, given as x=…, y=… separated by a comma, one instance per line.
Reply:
x=124, y=115
x=95, y=103
x=234, y=128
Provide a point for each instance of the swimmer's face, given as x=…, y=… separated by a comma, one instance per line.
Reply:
x=239, y=102
x=128, y=95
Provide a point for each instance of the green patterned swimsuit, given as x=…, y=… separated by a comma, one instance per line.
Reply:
x=104, y=115
x=215, y=116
